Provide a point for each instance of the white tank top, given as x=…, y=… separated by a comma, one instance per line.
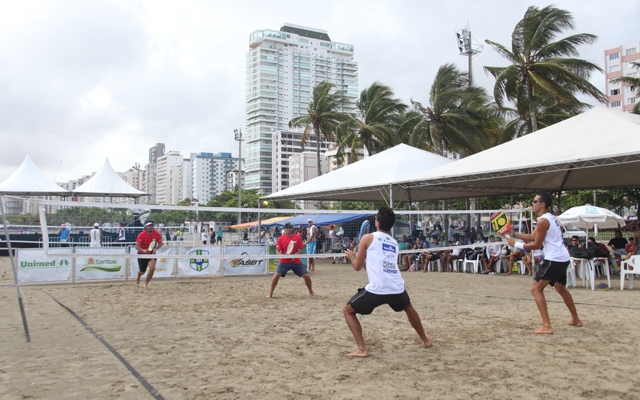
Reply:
x=382, y=266
x=553, y=243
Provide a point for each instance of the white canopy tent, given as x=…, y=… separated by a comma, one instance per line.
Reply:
x=368, y=179
x=596, y=149
x=107, y=183
x=28, y=180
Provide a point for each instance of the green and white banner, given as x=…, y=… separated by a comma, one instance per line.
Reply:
x=197, y=262
x=91, y=266
x=36, y=266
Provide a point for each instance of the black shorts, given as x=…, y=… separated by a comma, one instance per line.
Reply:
x=435, y=256
x=553, y=271
x=365, y=302
x=143, y=262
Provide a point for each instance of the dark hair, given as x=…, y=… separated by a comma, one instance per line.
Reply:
x=546, y=199
x=574, y=237
x=618, y=231
x=386, y=217
x=592, y=239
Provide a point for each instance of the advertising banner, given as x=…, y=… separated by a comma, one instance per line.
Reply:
x=164, y=266
x=100, y=267
x=244, y=260
x=36, y=266
x=197, y=261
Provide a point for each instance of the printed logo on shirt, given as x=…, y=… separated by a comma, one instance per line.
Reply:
x=388, y=247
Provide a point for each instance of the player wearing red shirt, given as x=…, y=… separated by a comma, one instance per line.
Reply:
x=290, y=243
x=148, y=242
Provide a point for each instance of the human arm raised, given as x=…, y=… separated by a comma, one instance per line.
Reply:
x=535, y=239
x=357, y=260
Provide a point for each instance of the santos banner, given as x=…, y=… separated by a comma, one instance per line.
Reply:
x=100, y=267
x=197, y=261
x=36, y=266
x=245, y=260
x=164, y=266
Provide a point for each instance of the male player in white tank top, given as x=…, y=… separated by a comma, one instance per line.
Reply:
x=385, y=286
x=556, y=260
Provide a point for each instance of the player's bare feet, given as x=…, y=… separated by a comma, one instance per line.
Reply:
x=138, y=280
x=359, y=353
x=146, y=286
x=577, y=323
x=312, y=293
x=429, y=341
x=507, y=274
x=269, y=296
x=543, y=330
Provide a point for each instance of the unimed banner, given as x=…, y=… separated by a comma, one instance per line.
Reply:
x=36, y=266
x=91, y=266
x=197, y=261
x=164, y=266
x=244, y=260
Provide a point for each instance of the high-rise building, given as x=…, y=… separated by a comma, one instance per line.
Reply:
x=617, y=63
x=284, y=145
x=165, y=180
x=155, y=152
x=209, y=174
x=185, y=179
x=282, y=68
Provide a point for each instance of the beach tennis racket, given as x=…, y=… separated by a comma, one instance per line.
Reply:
x=500, y=223
x=290, y=247
x=364, y=229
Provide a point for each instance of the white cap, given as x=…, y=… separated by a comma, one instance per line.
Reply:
x=96, y=225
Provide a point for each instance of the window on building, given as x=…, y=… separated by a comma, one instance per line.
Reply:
x=615, y=103
x=631, y=51
x=615, y=92
x=614, y=56
x=632, y=100
x=614, y=68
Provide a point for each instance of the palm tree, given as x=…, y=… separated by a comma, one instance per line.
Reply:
x=457, y=117
x=634, y=83
x=325, y=113
x=541, y=66
x=375, y=124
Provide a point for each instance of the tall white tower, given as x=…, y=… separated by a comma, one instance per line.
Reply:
x=282, y=68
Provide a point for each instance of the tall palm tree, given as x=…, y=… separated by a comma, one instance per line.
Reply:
x=456, y=118
x=541, y=66
x=325, y=113
x=634, y=83
x=375, y=123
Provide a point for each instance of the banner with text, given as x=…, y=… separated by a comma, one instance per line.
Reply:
x=164, y=266
x=245, y=260
x=36, y=266
x=197, y=261
x=109, y=266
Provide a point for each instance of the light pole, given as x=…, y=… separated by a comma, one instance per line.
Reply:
x=237, y=135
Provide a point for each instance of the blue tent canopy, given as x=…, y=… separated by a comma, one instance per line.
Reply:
x=319, y=219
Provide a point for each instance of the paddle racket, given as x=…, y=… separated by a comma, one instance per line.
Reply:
x=290, y=247
x=501, y=224
x=364, y=229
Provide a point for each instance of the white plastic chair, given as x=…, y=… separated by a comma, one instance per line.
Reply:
x=521, y=268
x=571, y=274
x=474, y=266
x=435, y=265
x=633, y=262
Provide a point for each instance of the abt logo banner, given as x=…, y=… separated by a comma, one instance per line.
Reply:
x=36, y=266
x=245, y=260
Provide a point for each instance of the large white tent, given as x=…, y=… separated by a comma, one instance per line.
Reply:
x=368, y=179
x=599, y=148
x=107, y=183
x=28, y=180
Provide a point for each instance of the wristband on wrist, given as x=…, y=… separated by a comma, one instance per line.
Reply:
x=519, y=245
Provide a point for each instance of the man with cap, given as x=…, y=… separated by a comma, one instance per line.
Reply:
x=312, y=234
x=95, y=236
x=64, y=234
x=148, y=242
x=290, y=243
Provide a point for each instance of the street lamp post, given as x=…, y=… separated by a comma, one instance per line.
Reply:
x=237, y=135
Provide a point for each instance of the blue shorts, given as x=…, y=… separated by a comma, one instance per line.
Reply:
x=298, y=269
x=311, y=248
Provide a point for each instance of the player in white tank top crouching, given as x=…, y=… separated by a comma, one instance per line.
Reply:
x=385, y=286
x=556, y=259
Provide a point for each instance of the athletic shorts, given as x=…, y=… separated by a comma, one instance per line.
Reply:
x=435, y=256
x=143, y=263
x=554, y=271
x=365, y=302
x=298, y=269
x=311, y=248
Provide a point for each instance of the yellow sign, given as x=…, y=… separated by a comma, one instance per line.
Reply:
x=500, y=223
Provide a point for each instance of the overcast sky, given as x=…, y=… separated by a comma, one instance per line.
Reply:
x=84, y=80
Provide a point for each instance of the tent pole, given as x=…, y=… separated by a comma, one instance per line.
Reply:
x=14, y=270
x=391, y=203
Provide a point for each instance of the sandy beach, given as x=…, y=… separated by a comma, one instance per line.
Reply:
x=221, y=338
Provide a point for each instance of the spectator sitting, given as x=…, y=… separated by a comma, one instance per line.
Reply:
x=618, y=244
x=432, y=256
x=493, y=253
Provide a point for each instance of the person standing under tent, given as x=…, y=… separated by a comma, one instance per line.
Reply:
x=212, y=236
x=204, y=237
x=556, y=260
x=122, y=235
x=147, y=242
x=386, y=286
x=312, y=235
x=64, y=235
x=290, y=243
x=95, y=236
x=219, y=235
